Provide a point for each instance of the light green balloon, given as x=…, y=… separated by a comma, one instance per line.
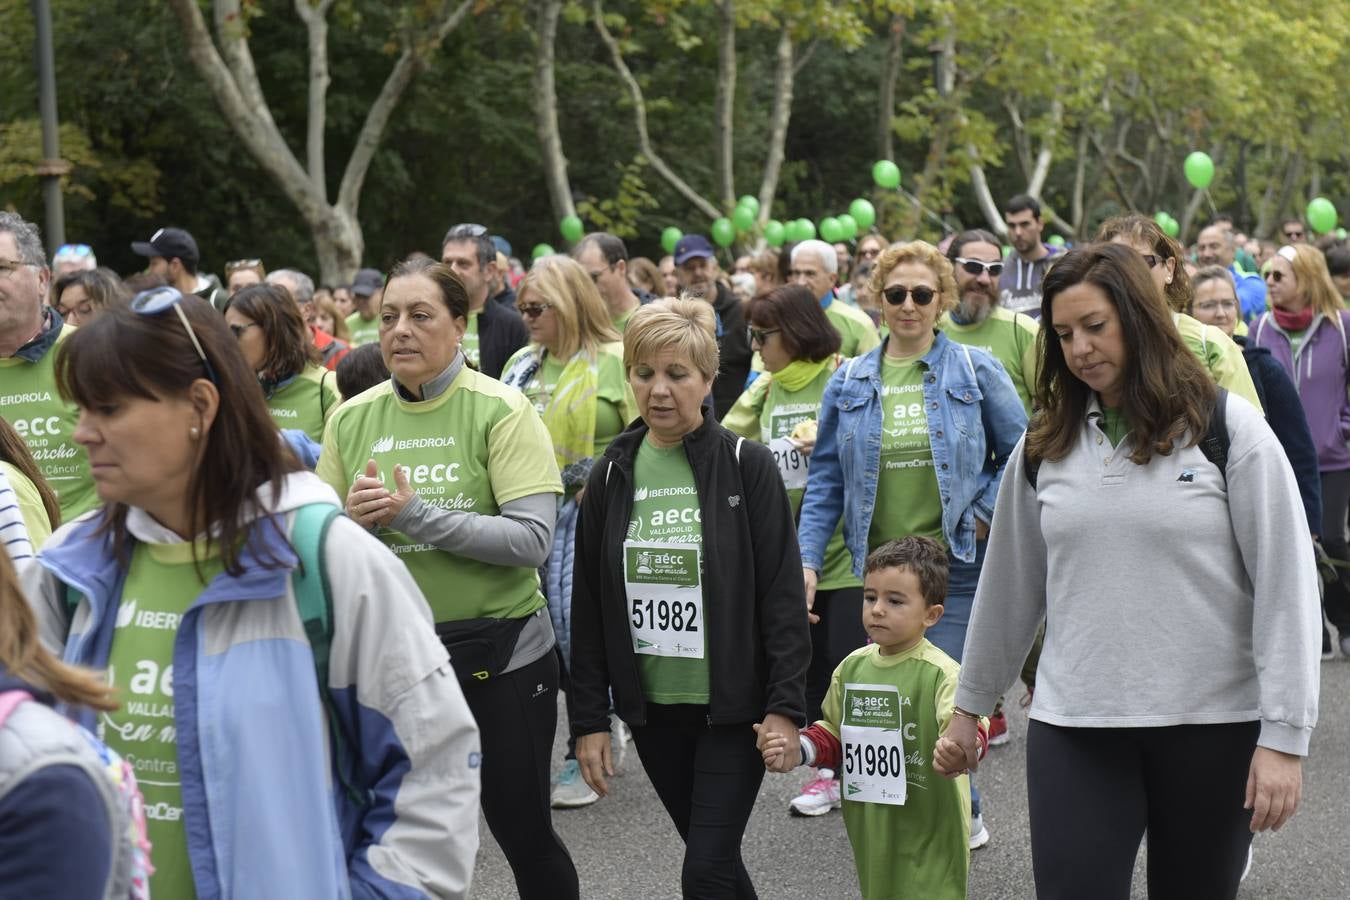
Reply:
x=806, y=228
x=670, y=236
x=542, y=250
x=774, y=233
x=743, y=218
x=1199, y=169
x=1322, y=215
x=830, y=230
x=863, y=212
x=1055, y=240
x=723, y=232
x=886, y=174
x=750, y=201
x=849, y=226
x=571, y=228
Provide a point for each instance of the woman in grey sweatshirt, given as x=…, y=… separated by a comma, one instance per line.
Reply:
x=1178, y=685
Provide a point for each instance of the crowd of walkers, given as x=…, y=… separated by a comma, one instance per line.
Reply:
x=297, y=576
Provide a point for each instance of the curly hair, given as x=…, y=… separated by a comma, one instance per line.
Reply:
x=918, y=252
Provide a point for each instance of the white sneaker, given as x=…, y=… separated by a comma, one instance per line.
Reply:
x=818, y=797
x=979, y=835
x=619, y=736
x=570, y=790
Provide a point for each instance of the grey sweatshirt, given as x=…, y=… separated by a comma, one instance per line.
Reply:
x=1169, y=598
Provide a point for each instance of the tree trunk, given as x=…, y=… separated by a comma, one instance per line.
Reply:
x=783, y=82
x=545, y=99
x=725, y=101
x=980, y=185
x=1036, y=183
x=890, y=75
x=1079, y=177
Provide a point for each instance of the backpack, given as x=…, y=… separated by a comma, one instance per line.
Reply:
x=131, y=865
x=1214, y=444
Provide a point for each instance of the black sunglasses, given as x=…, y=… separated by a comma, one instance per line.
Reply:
x=1275, y=275
x=759, y=335
x=1294, y=235
x=1152, y=260
x=922, y=295
x=534, y=310
x=976, y=266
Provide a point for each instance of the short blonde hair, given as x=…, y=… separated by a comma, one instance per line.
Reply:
x=1314, y=279
x=685, y=324
x=583, y=319
x=917, y=252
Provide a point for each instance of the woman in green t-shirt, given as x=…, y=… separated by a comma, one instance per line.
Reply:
x=572, y=371
x=301, y=393
x=455, y=472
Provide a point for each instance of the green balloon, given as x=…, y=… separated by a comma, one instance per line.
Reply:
x=723, y=232
x=542, y=250
x=774, y=233
x=1161, y=218
x=1341, y=234
x=743, y=218
x=849, y=225
x=1322, y=215
x=886, y=174
x=1171, y=227
x=670, y=236
x=863, y=212
x=571, y=229
x=1055, y=240
x=750, y=201
x=1199, y=169
x=806, y=228
x=830, y=230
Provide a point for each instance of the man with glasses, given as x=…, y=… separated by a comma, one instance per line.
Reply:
x=174, y=256
x=1217, y=246
x=815, y=266
x=698, y=273
x=605, y=257
x=1020, y=285
x=29, y=333
x=979, y=321
x=1294, y=231
x=494, y=332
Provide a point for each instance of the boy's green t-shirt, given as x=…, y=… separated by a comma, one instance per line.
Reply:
x=161, y=584
x=307, y=402
x=920, y=849
x=364, y=331
x=476, y=446
x=908, y=501
x=666, y=510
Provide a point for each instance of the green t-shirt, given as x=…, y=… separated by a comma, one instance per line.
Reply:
x=470, y=343
x=476, y=446
x=666, y=510
x=920, y=849
x=29, y=401
x=1217, y=352
x=857, y=333
x=768, y=412
x=307, y=402
x=621, y=321
x=908, y=500
x=1011, y=338
x=1113, y=424
x=161, y=584
x=31, y=507
x=614, y=400
x=364, y=331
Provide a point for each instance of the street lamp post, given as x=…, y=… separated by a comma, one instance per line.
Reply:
x=52, y=166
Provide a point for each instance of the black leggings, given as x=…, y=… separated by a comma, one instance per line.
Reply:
x=838, y=633
x=707, y=777
x=1093, y=793
x=517, y=714
x=1335, y=502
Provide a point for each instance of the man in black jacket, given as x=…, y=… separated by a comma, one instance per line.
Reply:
x=494, y=332
x=698, y=273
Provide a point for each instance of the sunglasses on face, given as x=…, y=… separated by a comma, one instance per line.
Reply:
x=976, y=266
x=534, y=310
x=1152, y=260
x=870, y=252
x=158, y=300
x=1275, y=275
x=760, y=335
x=921, y=294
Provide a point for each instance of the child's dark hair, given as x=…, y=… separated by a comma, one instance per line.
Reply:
x=920, y=555
x=360, y=370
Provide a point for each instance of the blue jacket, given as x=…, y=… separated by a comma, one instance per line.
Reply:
x=264, y=817
x=975, y=418
x=1251, y=291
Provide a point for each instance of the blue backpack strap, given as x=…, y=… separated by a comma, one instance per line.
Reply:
x=314, y=602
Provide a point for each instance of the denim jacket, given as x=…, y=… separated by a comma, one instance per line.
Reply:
x=974, y=420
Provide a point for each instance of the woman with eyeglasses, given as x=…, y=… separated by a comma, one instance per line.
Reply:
x=288, y=710
x=1305, y=331
x=79, y=296
x=301, y=393
x=913, y=438
x=1164, y=258
x=455, y=472
x=572, y=371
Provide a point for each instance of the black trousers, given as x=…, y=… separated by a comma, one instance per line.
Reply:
x=838, y=633
x=1093, y=794
x=517, y=714
x=707, y=777
x=1335, y=502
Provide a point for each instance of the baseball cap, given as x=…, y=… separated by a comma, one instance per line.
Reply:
x=691, y=246
x=502, y=244
x=367, y=282
x=170, y=243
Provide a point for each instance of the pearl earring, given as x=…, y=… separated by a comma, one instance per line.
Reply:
x=195, y=431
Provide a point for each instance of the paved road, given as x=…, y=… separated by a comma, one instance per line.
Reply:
x=625, y=847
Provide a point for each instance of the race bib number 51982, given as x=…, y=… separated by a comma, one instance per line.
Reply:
x=665, y=598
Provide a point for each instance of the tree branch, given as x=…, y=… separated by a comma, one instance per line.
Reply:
x=783, y=82
x=1047, y=151
x=980, y=185
x=724, y=102
x=315, y=17
x=231, y=32
x=1079, y=178
x=545, y=101
x=640, y=115
x=890, y=74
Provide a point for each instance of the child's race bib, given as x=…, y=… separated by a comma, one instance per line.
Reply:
x=874, y=751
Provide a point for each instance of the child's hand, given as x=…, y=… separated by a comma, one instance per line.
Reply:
x=780, y=754
x=948, y=756
x=956, y=751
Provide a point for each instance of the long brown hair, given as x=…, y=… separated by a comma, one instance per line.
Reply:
x=1166, y=390
x=289, y=345
x=23, y=656
x=14, y=450
x=123, y=354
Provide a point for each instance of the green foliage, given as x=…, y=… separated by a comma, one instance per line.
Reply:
x=619, y=214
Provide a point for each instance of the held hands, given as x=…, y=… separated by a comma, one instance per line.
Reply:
x=1274, y=788
x=810, y=578
x=957, y=751
x=370, y=503
x=981, y=530
x=776, y=738
x=593, y=756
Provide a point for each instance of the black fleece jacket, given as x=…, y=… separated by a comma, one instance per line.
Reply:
x=757, y=640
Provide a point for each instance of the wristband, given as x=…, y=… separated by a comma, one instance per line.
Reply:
x=958, y=711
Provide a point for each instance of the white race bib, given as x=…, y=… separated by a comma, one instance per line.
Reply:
x=792, y=462
x=874, y=751
x=665, y=598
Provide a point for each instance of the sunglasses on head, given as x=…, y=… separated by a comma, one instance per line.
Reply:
x=157, y=300
x=921, y=294
x=534, y=310
x=78, y=250
x=467, y=230
x=976, y=266
x=235, y=265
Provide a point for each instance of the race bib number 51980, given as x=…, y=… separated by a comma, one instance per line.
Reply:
x=874, y=751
